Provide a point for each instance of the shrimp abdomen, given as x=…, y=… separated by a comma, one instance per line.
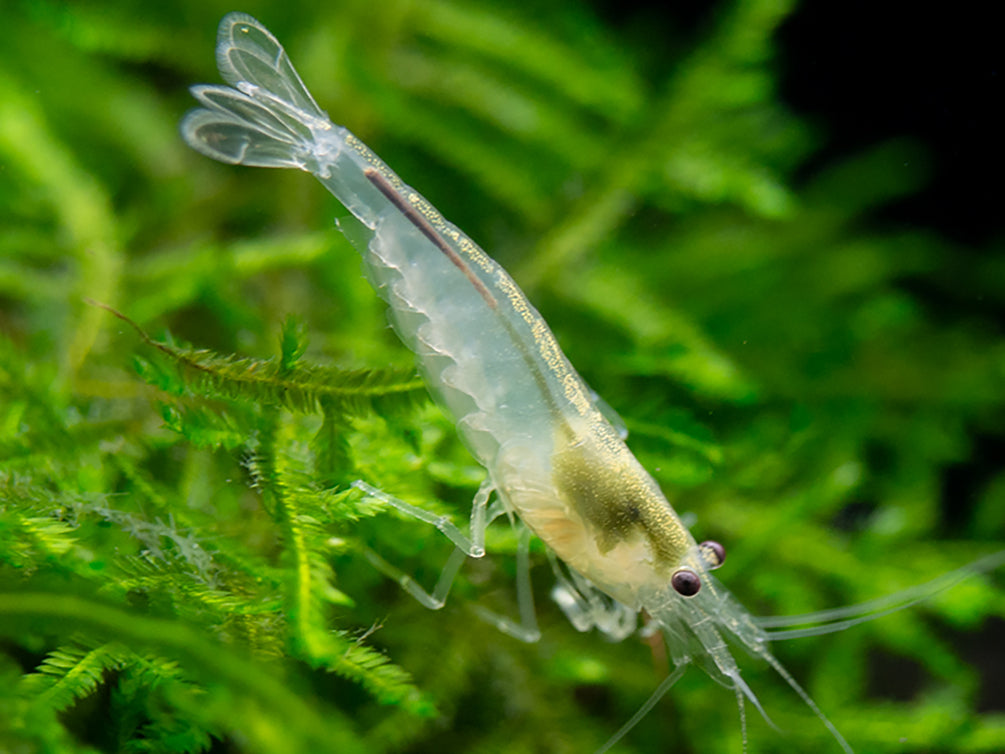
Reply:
x=487, y=355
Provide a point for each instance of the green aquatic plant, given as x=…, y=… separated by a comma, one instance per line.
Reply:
x=183, y=566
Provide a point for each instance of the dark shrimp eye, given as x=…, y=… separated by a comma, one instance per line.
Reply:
x=712, y=553
x=685, y=582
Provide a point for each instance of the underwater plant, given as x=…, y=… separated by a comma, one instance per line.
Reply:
x=185, y=565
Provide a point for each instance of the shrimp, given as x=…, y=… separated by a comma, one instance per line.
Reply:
x=553, y=458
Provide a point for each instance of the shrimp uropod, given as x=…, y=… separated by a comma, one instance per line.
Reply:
x=552, y=457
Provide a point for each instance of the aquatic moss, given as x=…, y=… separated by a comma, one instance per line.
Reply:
x=181, y=562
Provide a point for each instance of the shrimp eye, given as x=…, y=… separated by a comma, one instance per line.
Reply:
x=712, y=553
x=685, y=582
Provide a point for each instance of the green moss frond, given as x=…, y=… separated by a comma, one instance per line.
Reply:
x=813, y=382
x=302, y=512
x=69, y=673
x=236, y=691
x=282, y=383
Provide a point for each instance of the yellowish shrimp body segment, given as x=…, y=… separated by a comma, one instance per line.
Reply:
x=552, y=458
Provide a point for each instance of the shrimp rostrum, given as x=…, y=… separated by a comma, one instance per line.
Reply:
x=553, y=459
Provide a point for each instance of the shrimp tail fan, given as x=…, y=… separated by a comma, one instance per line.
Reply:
x=266, y=118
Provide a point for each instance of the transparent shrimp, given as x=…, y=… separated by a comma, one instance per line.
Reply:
x=551, y=454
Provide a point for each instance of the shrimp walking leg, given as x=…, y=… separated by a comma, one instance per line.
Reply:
x=481, y=517
x=587, y=607
x=527, y=629
x=473, y=547
x=438, y=597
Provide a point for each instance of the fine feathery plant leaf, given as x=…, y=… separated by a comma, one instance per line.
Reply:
x=239, y=691
x=69, y=673
x=292, y=344
x=295, y=503
x=814, y=383
x=283, y=383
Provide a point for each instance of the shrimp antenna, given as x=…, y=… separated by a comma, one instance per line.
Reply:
x=647, y=706
x=838, y=619
x=807, y=700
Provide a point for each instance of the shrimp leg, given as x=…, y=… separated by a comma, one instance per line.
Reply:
x=473, y=547
x=527, y=629
x=438, y=597
x=587, y=607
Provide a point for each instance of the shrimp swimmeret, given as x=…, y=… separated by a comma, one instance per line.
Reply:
x=552, y=457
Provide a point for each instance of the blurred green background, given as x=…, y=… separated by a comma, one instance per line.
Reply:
x=759, y=233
